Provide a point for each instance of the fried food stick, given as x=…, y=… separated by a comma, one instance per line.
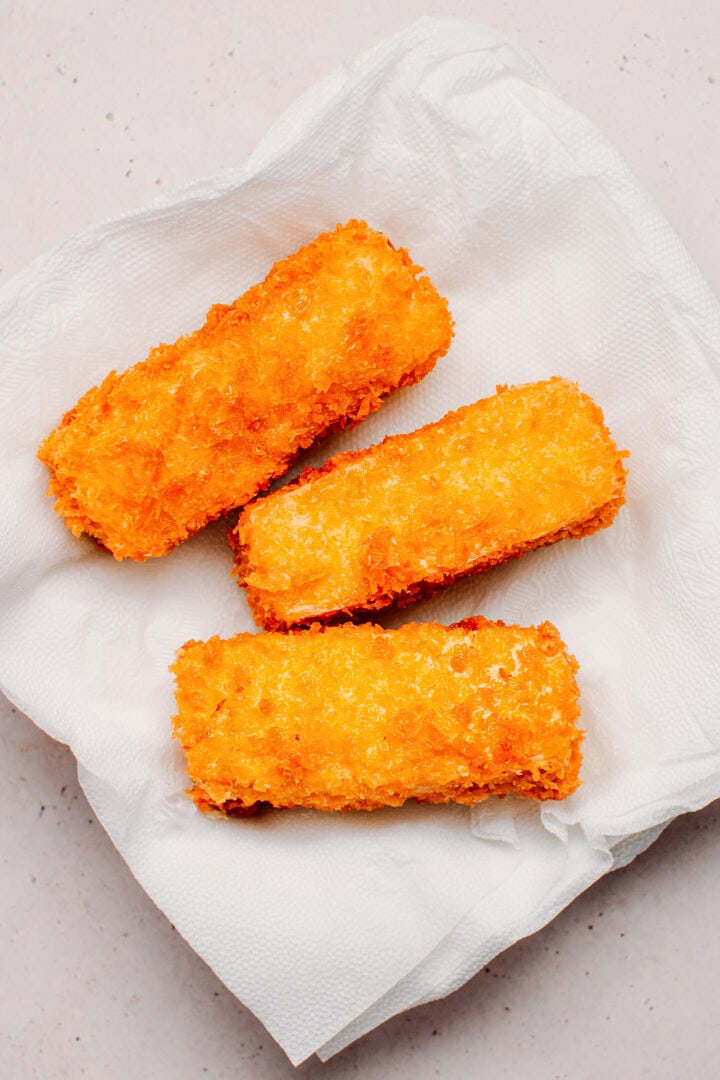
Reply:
x=199, y=427
x=510, y=473
x=356, y=717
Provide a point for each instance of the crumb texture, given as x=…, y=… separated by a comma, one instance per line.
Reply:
x=201, y=426
x=357, y=717
x=531, y=465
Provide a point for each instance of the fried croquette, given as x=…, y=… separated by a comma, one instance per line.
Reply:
x=153, y=454
x=355, y=717
x=531, y=465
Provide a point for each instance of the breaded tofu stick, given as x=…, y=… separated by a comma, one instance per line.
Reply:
x=356, y=717
x=199, y=427
x=529, y=466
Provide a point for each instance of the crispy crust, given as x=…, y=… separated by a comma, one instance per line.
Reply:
x=357, y=717
x=152, y=455
x=533, y=465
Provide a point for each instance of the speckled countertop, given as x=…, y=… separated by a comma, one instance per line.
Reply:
x=101, y=105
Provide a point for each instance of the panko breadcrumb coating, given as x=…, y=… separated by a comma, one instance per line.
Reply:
x=356, y=717
x=153, y=454
x=510, y=473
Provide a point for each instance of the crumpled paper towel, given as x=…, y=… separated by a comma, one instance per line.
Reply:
x=452, y=141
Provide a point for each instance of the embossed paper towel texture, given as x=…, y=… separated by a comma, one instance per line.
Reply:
x=452, y=141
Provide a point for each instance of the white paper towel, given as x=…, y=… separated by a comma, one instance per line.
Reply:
x=453, y=142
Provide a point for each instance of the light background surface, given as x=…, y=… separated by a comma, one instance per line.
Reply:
x=103, y=106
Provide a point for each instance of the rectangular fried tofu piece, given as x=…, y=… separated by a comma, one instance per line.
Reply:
x=531, y=465
x=153, y=454
x=355, y=717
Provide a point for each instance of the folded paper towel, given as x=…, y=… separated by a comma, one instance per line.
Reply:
x=452, y=141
